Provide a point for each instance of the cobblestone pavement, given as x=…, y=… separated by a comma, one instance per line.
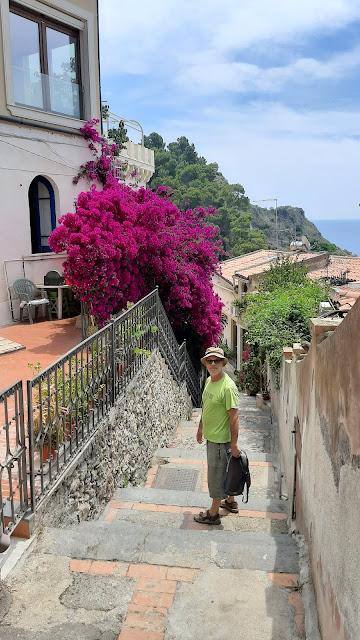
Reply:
x=146, y=571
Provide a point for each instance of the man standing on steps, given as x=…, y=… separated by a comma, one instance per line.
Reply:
x=219, y=426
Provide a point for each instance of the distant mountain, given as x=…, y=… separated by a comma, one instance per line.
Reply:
x=292, y=224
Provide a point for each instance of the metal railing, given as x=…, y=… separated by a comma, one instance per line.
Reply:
x=192, y=378
x=13, y=475
x=135, y=338
x=168, y=345
x=178, y=358
x=67, y=400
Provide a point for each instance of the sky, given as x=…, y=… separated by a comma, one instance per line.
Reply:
x=268, y=89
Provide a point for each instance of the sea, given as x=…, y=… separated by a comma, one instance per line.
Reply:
x=344, y=233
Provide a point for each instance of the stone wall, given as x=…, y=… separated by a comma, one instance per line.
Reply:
x=319, y=398
x=119, y=453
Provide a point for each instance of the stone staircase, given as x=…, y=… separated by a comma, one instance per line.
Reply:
x=146, y=570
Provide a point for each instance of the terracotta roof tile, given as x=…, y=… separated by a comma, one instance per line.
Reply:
x=257, y=262
x=346, y=295
x=337, y=266
x=347, y=306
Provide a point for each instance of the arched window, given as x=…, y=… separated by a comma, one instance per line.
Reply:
x=42, y=214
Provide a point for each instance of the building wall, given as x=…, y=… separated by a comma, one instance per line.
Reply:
x=53, y=155
x=30, y=148
x=227, y=295
x=320, y=395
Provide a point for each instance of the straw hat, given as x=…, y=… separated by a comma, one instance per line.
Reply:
x=216, y=352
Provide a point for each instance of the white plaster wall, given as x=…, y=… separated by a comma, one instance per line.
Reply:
x=227, y=296
x=25, y=153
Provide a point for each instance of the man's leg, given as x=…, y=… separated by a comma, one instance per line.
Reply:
x=215, y=506
x=216, y=464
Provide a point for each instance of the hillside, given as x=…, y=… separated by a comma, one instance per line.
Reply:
x=292, y=224
x=243, y=227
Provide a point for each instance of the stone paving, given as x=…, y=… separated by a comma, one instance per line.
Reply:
x=146, y=571
x=7, y=346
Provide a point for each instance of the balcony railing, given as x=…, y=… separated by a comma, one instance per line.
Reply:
x=136, y=163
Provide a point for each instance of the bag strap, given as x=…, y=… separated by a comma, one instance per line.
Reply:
x=247, y=493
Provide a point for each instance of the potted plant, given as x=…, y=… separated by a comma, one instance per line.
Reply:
x=48, y=437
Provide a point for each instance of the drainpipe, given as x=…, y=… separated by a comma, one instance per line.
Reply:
x=99, y=70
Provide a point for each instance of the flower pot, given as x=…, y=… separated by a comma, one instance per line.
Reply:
x=69, y=428
x=48, y=453
x=259, y=401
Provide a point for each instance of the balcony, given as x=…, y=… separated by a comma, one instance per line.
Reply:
x=135, y=164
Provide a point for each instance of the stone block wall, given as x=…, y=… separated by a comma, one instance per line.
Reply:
x=143, y=419
x=319, y=399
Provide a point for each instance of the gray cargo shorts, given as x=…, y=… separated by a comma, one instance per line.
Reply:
x=218, y=455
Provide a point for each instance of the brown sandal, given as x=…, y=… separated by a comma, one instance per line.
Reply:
x=230, y=506
x=207, y=518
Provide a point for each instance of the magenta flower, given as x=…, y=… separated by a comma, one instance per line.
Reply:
x=121, y=243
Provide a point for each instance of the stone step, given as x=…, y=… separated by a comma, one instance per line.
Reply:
x=190, y=474
x=190, y=499
x=186, y=474
x=249, y=439
x=246, y=422
x=176, y=517
x=128, y=542
x=199, y=453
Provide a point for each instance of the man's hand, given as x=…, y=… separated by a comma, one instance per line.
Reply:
x=235, y=451
x=199, y=435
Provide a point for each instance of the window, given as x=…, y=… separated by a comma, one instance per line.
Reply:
x=42, y=214
x=45, y=61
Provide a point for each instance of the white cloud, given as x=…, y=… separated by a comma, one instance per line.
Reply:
x=134, y=39
x=210, y=76
x=305, y=159
x=276, y=20
x=188, y=56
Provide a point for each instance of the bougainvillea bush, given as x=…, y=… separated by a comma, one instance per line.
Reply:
x=121, y=243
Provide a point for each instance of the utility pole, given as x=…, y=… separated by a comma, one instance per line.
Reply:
x=276, y=225
x=276, y=218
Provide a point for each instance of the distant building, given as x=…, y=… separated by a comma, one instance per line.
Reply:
x=300, y=245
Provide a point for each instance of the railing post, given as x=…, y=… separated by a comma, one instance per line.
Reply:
x=113, y=367
x=184, y=361
x=23, y=479
x=158, y=317
x=31, y=444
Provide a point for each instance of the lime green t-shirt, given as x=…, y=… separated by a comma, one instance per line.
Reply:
x=218, y=397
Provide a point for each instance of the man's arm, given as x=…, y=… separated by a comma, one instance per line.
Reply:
x=199, y=435
x=234, y=430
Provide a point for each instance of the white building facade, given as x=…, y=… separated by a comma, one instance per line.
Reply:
x=49, y=87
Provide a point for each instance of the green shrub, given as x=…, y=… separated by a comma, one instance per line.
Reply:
x=281, y=316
